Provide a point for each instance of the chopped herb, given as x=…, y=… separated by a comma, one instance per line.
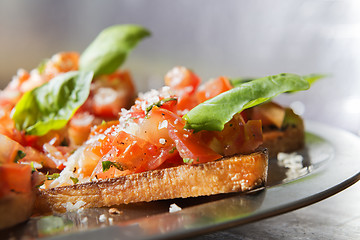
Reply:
x=159, y=104
x=188, y=160
x=107, y=164
x=32, y=167
x=74, y=179
x=42, y=66
x=52, y=176
x=172, y=150
x=103, y=122
x=19, y=155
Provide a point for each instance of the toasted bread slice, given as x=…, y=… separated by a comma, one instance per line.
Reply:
x=232, y=174
x=289, y=138
x=16, y=208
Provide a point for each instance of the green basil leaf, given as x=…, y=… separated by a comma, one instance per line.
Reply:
x=51, y=105
x=52, y=176
x=74, y=179
x=107, y=164
x=19, y=155
x=214, y=113
x=311, y=78
x=237, y=81
x=110, y=48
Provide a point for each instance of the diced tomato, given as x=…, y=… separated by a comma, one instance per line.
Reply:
x=182, y=79
x=190, y=147
x=79, y=127
x=162, y=156
x=187, y=102
x=100, y=129
x=185, y=83
x=8, y=149
x=170, y=105
x=15, y=177
x=112, y=173
x=253, y=136
x=111, y=93
x=55, y=156
x=213, y=88
x=236, y=137
x=269, y=113
x=154, y=127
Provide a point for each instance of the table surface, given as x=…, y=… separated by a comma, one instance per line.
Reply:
x=337, y=217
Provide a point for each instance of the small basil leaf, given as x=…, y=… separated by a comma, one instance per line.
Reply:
x=107, y=164
x=51, y=105
x=159, y=104
x=214, y=113
x=19, y=155
x=52, y=176
x=110, y=48
x=74, y=179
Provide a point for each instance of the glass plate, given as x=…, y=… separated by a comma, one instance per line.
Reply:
x=328, y=164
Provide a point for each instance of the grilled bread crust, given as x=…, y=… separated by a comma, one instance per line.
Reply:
x=232, y=174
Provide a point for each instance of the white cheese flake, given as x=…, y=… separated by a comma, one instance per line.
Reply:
x=163, y=124
x=102, y=218
x=174, y=208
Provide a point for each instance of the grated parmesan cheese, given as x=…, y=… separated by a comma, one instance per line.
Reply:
x=174, y=208
x=102, y=218
x=163, y=124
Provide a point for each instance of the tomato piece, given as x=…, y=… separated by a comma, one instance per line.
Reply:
x=170, y=105
x=187, y=144
x=154, y=127
x=236, y=137
x=15, y=177
x=112, y=173
x=79, y=127
x=8, y=149
x=162, y=156
x=112, y=92
x=213, y=88
x=129, y=151
x=190, y=147
x=183, y=80
x=269, y=113
x=100, y=129
x=187, y=102
x=253, y=136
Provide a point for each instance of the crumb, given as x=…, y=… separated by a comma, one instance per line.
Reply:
x=174, y=208
x=74, y=207
x=102, y=218
x=115, y=211
x=84, y=220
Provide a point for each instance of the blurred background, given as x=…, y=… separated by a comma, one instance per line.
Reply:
x=235, y=38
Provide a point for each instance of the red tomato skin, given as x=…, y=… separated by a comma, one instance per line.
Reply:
x=213, y=88
x=182, y=79
x=15, y=177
